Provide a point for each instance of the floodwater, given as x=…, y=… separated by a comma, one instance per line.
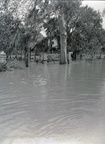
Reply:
x=53, y=104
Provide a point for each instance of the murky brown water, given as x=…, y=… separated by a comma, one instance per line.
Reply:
x=53, y=104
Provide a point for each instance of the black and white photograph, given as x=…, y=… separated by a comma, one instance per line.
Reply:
x=52, y=72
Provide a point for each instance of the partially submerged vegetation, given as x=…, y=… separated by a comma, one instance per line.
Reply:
x=70, y=25
x=10, y=65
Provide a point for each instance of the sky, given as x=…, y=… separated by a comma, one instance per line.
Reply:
x=97, y=5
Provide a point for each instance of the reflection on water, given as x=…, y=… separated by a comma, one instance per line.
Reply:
x=53, y=104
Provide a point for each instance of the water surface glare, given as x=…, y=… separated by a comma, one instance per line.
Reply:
x=53, y=104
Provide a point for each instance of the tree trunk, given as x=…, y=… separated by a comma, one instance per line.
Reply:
x=30, y=54
x=63, y=40
x=7, y=55
x=21, y=53
x=27, y=57
x=10, y=56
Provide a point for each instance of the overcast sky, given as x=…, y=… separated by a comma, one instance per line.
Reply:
x=97, y=5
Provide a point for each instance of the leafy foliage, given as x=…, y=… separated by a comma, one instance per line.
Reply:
x=88, y=30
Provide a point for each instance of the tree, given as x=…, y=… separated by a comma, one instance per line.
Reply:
x=65, y=12
x=33, y=26
x=8, y=27
x=88, y=30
